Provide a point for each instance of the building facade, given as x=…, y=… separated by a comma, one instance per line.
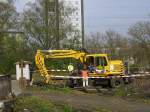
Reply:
x=74, y=18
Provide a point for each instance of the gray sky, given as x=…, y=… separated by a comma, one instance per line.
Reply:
x=118, y=15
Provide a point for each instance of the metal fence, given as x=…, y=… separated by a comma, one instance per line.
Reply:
x=5, y=86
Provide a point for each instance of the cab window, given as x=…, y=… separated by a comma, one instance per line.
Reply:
x=100, y=61
x=90, y=60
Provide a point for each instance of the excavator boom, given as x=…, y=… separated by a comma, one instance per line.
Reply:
x=41, y=55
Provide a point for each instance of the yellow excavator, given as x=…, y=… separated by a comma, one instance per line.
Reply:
x=99, y=65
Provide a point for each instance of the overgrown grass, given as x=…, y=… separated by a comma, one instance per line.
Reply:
x=139, y=87
x=147, y=101
x=142, y=87
x=36, y=104
x=41, y=86
x=50, y=88
x=124, y=91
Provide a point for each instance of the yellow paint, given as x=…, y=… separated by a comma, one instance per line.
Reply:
x=116, y=65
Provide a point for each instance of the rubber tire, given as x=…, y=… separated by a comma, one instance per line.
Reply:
x=113, y=82
x=70, y=83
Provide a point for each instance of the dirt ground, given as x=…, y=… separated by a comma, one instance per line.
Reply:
x=84, y=102
x=92, y=102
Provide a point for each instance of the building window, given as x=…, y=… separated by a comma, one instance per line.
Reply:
x=77, y=8
x=77, y=13
x=77, y=19
x=69, y=2
x=77, y=24
x=51, y=7
x=76, y=2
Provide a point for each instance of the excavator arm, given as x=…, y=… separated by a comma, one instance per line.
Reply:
x=41, y=55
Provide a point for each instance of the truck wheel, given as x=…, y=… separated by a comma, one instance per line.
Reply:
x=116, y=83
x=70, y=83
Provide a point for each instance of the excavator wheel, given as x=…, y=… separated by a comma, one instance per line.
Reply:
x=70, y=83
x=116, y=82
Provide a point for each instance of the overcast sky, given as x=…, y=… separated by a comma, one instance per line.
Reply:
x=118, y=15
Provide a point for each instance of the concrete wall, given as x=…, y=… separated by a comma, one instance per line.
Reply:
x=5, y=87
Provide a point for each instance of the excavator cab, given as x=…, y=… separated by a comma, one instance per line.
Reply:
x=97, y=63
x=103, y=66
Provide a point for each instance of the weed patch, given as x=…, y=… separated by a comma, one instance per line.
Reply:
x=50, y=88
x=36, y=104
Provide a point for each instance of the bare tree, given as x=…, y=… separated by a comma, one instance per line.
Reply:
x=109, y=42
x=33, y=23
x=7, y=19
x=140, y=42
x=95, y=42
x=116, y=44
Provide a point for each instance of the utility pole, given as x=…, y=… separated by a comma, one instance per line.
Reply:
x=57, y=24
x=82, y=20
x=46, y=18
